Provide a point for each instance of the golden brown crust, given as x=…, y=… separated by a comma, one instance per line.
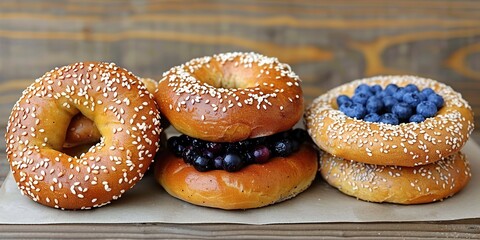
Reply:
x=254, y=186
x=125, y=114
x=83, y=131
x=403, y=185
x=231, y=97
x=409, y=144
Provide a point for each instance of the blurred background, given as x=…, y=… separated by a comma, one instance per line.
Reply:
x=327, y=43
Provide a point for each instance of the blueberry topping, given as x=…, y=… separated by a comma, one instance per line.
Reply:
x=361, y=97
x=412, y=98
x=232, y=162
x=389, y=118
x=389, y=102
x=411, y=88
x=363, y=88
x=283, y=148
x=402, y=110
x=391, y=89
x=355, y=110
x=436, y=99
x=372, y=117
x=427, y=109
x=201, y=163
x=342, y=99
x=261, y=154
x=374, y=105
x=417, y=118
x=392, y=105
x=206, y=156
x=399, y=94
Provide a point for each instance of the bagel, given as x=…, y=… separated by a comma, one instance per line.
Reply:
x=119, y=105
x=254, y=186
x=82, y=131
x=407, y=144
x=230, y=97
x=402, y=185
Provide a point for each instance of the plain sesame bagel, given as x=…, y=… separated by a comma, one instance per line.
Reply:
x=403, y=185
x=231, y=97
x=119, y=105
x=83, y=131
x=406, y=144
x=254, y=186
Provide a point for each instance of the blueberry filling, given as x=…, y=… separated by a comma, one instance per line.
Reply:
x=206, y=156
x=392, y=105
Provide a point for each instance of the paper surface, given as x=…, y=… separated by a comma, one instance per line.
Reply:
x=147, y=202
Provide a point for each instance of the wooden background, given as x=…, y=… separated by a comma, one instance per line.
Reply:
x=326, y=42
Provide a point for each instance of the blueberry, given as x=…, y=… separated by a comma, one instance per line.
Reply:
x=376, y=89
x=233, y=147
x=259, y=140
x=208, y=154
x=416, y=118
x=342, y=99
x=427, y=109
x=436, y=99
x=189, y=154
x=411, y=88
x=218, y=162
x=214, y=147
x=202, y=164
x=232, y=162
x=363, y=88
x=295, y=145
x=198, y=143
x=399, y=94
x=412, y=98
x=389, y=102
x=175, y=145
x=248, y=157
x=345, y=105
x=389, y=118
x=374, y=105
x=372, y=117
x=402, y=110
x=391, y=89
x=355, y=110
x=427, y=92
x=283, y=148
x=361, y=97
x=262, y=154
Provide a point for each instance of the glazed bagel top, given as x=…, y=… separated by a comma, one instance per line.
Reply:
x=231, y=97
x=124, y=112
x=407, y=144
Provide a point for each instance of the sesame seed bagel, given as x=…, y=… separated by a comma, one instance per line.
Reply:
x=254, y=186
x=82, y=130
x=402, y=185
x=407, y=144
x=231, y=97
x=119, y=105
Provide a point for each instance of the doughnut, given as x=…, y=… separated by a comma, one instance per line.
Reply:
x=231, y=97
x=123, y=111
x=254, y=186
x=394, y=184
x=407, y=144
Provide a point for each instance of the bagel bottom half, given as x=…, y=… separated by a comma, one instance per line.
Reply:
x=254, y=186
x=394, y=184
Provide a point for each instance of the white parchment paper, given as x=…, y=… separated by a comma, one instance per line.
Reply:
x=147, y=202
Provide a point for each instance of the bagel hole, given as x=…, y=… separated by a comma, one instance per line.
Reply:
x=228, y=76
x=81, y=135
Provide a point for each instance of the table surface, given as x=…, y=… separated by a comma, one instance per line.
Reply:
x=327, y=43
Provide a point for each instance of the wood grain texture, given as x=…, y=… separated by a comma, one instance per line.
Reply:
x=327, y=43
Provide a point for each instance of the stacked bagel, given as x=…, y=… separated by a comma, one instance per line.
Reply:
x=237, y=151
x=408, y=163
